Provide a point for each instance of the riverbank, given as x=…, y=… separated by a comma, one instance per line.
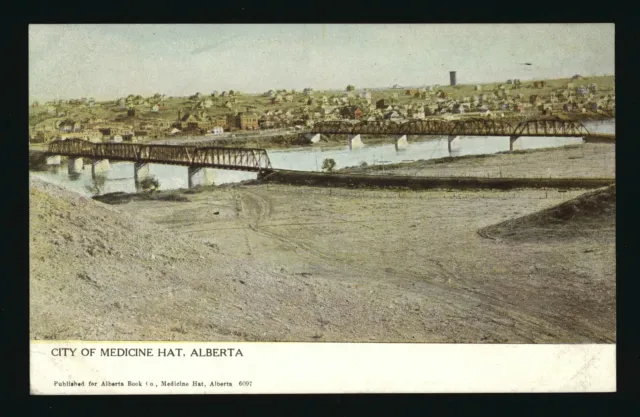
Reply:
x=589, y=160
x=427, y=183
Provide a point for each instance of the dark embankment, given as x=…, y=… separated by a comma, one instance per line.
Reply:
x=600, y=138
x=590, y=214
x=123, y=198
x=418, y=183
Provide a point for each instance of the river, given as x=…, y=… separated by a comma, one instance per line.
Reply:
x=120, y=177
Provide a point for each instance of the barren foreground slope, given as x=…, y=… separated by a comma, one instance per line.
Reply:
x=282, y=263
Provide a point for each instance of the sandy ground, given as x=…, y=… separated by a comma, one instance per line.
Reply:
x=595, y=160
x=282, y=263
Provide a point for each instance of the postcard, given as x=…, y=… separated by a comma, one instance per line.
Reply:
x=322, y=208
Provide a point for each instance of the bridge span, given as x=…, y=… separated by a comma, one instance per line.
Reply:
x=551, y=127
x=197, y=159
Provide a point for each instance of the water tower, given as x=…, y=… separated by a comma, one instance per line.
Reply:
x=452, y=77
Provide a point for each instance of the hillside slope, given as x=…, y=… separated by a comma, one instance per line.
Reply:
x=590, y=214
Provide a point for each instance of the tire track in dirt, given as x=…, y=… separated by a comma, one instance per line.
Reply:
x=462, y=300
x=439, y=293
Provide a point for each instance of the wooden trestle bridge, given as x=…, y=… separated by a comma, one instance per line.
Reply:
x=244, y=159
x=465, y=127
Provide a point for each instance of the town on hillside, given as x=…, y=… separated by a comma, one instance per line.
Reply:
x=137, y=119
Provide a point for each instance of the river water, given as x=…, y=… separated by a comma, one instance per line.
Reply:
x=120, y=177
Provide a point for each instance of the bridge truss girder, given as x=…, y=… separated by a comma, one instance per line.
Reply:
x=216, y=157
x=463, y=127
x=551, y=127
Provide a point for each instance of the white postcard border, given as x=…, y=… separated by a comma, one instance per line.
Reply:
x=270, y=368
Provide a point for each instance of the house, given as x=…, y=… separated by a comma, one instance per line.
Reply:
x=535, y=100
x=190, y=121
x=412, y=92
x=155, y=108
x=366, y=95
x=207, y=103
x=243, y=121
x=217, y=130
x=220, y=121
x=326, y=110
x=351, y=112
x=394, y=114
x=270, y=93
x=380, y=104
x=576, y=77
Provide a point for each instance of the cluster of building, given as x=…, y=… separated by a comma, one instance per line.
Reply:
x=303, y=109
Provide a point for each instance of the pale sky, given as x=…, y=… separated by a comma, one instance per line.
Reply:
x=111, y=61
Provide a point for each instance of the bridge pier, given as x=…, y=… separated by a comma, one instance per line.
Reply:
x=355, y=141
x=314, y=138
x=402, y=143
x=140, y=172
x=450, y=139
x=75, y=165
x=512, y=140
x=98, y=166
x=200, y=176
x=54, y=160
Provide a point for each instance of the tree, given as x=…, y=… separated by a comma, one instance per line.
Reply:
x=350, y=87
x=150, y=184
x=328, y=164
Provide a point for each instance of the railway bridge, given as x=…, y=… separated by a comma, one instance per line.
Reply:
x=199, y=160
x=452, y=129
